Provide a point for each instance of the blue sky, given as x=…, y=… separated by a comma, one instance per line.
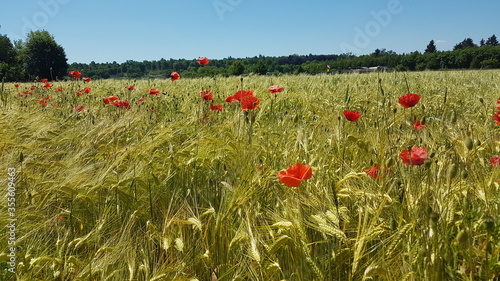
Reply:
x=120, y=30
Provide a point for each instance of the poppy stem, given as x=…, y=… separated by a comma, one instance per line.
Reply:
x=150, y=200
x=407, y=86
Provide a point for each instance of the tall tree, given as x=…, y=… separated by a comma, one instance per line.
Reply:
x=431, y=47
x=43, y=57
x=237, y=68
x=261, y=68
x=466, y=43
x=492, y=41
x=7, y=52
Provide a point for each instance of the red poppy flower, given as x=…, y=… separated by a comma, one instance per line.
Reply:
x=59, y=89
x=249, y=103
x=230, y=99
x=87, y=90
x=130, y=88
x=274, y=89
x=141, y=100
x=216, y=107
x=47, y=86
x=124, y=104
x=28, y=92
x=203, y=61
x=79, y=93
x=496, y=117
x=86, y=79
x=206, y=95
x=409, y=100
x=16, y=85
x=352, y=116
x=79, y=108
x=418, y=125
x=238, y=96
x=75, y=74
x=42, y=102
x=110, y=99
x=21, y=94
x=174, y=76
x=153, y=92
x=495, y=160
x=47, y=97
x=373, y=171
x=295, y=174
x=417, y=156
x=32, y=88
x=44, y=80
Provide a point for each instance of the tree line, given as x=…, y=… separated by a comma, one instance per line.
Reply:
x=39, y=56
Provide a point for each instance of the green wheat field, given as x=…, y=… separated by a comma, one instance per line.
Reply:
x=171, y=190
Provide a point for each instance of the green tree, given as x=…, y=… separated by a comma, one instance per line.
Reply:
x=492, y=41
x=7, y=52
x=466, y=43
x=237, y=68
x=490, y=63
x=43, y=57
x=431, y=48
x=8, y=60
x=261, y=68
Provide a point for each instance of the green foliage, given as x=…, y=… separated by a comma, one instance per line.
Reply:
x=7, y=52
x=236, y=68
x=260, y=68
x=431, y=47
x=43, y=57
x=492, y=41
x=466, y=43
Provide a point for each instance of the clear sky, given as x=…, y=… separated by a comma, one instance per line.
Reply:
x=120, y=30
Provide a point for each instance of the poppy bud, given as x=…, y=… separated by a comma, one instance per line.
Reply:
x=481, y=100
x=434, y=217
x=451, y=173
x=489, y=223
x=453, y=117
x=469, y=144
x=423, y=121
x=394, y=224
x=465, y=174
x=21, y=157
x=478, y=142
x=463, y=237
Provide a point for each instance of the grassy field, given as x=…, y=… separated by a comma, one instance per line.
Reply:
x=171, y=190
